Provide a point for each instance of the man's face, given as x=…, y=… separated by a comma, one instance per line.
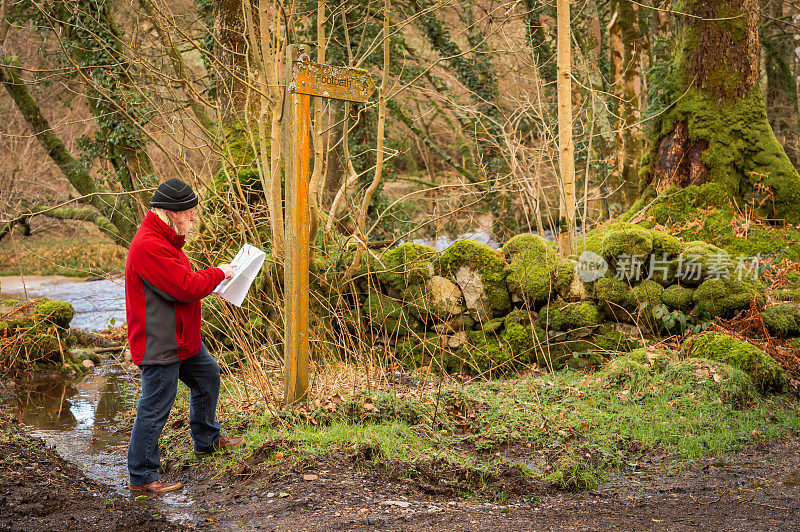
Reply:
x=182, y=220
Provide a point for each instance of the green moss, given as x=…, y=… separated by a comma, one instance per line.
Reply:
x=55, y=312
x=704, y=213
x=388, y=315
x=790, y=294
x=646, y=293
x=652, y=371
x=562, y=316
x=743, y=153
x=762, y=368
x=621, y=238
x=535, y=272
x=521, y=337
x=489, y=355
x=680, y=205
x=733, y=386
x=678, y=298
x=702, y=260
x=613, y=296
x=480, y=258
x=492, y=325
x=725, y=297
x=783, y=320
x=657, y=359
x=407, y=265
x=665, y=244
x=642, y=299
x=625, y=372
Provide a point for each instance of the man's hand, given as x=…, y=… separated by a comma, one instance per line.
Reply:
x=227, y=269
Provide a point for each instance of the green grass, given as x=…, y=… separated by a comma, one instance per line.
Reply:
x=576, y=427
x=54, y=254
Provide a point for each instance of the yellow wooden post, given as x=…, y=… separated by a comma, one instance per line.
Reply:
x=304, y=79
x=297, y=151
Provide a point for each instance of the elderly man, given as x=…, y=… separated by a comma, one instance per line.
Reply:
x=162, y=299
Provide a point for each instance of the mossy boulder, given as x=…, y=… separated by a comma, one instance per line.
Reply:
x=58, y=313
x=480, y=273
x=643, y=298
x=407, y=265
x=678, y=297
x=622, y=238
x=767, y=374
x=612, y=294
x=389, y=315
x=702, y=261
x=535, y=272
x=783, y=320
x=522, y=337
x=666, y=245
x=573, y=317
x=726, y=296
x=687, y=380
x=438, y=299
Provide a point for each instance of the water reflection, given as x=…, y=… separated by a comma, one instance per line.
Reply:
x=46, y=404
x=80, y=418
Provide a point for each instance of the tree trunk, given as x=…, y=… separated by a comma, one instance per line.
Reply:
x=566, y=161
x=628, y=44
x=717, y=131
x=603, y=138
x=230, y=54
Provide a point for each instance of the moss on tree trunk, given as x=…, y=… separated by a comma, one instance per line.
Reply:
x=717, y=129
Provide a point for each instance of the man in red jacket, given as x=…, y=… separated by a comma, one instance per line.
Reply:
x=162, y=299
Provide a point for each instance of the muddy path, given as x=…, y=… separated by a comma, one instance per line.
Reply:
x=756, y=489
x=39, y=490
x=353, y=489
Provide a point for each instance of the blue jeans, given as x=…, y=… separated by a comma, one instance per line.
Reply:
x=159, y=387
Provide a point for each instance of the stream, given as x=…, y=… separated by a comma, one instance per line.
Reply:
x=98, y=304
x=78, y=418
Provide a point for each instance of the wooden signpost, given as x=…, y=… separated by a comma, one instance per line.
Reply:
x=304, y=80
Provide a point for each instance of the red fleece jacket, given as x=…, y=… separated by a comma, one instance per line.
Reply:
x=162, y=295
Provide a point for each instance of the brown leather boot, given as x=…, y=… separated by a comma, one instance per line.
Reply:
x=158, y=486
x=223, y=445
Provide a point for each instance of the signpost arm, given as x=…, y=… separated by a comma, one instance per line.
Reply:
x=296, y=135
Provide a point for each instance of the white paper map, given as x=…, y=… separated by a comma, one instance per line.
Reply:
x=246, y=265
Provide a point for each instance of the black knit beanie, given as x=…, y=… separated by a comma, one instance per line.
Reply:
x=174, y=195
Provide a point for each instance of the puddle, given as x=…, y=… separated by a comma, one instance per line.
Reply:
x=79, y=418
x=96, y=303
